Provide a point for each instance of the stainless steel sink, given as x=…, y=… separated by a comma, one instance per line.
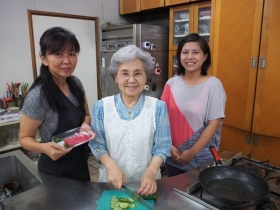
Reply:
x=13, y=169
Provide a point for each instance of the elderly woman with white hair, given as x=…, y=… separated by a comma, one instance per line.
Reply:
x=132, y=130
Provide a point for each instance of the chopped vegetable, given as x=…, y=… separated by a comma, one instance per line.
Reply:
x=57, y=140
x=149, y=197
x=122, y=203
x=66, y=146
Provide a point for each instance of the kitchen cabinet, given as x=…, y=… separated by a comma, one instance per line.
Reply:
x=174, y=2
x=266, y=148
x=245, y=58
x=129, y=6
x=4, y=135
x=148, y=4
x=256, y=146
x=132, y=6
x=187, y=19
x=202, y=19
x=232, y=139
x=180, y=24
x=172, y=64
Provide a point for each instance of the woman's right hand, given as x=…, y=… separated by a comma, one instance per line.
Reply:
x=175, y=154
x=54, y=151
x=116, y=176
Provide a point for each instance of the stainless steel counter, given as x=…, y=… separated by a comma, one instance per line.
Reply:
x=61, y=193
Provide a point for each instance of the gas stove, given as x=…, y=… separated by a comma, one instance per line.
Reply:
x=269, y=173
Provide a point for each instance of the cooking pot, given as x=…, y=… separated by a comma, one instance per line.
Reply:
x=232, y=186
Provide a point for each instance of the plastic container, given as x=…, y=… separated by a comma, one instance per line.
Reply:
x=62, y=139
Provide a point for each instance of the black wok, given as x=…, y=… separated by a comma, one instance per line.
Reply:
x=232, y=186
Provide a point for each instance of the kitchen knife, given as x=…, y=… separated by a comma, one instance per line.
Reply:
x=137, y=197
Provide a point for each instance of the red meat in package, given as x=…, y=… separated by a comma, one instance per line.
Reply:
x=76, y=139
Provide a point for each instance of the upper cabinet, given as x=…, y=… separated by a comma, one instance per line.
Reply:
x=202, y=19
x=246, y=59
x=174, y=2
x=188, y=19
x=148, y=4
x=185, y=19
x=129, y=6
x=180, y=24
x=132, y=6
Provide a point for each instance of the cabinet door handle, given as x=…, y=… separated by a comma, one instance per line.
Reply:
x=253, y=62
x=262, y=62
x=248, y=139
x=256, y=141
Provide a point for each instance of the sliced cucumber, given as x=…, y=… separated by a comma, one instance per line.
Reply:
x=125, y=205
x=121, y=203
x=149, y=197
x=130, y=200
x=133, y=205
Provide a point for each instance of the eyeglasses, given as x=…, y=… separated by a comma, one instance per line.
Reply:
x=126, y=76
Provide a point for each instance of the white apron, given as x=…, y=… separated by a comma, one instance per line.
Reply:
x=129, y=142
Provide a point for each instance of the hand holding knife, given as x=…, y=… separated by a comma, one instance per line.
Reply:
x=137, y=197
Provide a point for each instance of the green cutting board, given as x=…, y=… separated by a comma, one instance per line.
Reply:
x=104, y=202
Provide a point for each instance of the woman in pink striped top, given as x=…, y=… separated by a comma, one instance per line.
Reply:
x=196, y=105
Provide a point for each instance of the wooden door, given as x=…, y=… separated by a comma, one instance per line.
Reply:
x=129, y=6
x=151, y=4
x=235, y=140
x=202, y=19
x=181, y=24
x=174, y=2
x=264, y=148
x=235, y=42
x=266, y=119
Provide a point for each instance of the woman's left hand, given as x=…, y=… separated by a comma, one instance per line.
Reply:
x=148, y=184
x=87, y=128
x=186, y=156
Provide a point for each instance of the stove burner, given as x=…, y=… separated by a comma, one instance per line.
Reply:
x=251, y=167
x=278, y=182
x=266, y=204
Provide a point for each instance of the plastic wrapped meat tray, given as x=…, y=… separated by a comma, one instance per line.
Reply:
x=72, y=138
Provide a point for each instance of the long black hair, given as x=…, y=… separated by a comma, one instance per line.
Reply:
x=194, y=37
x=55, y=40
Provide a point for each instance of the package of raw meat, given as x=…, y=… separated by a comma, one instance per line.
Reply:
x=72, y=138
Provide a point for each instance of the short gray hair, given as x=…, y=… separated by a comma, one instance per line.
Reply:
x=130, y=53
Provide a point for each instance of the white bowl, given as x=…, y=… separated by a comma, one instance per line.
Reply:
x=184, y=15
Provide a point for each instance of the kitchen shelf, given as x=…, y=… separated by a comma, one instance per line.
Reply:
x=205, y=18
x=9, y=123
x=183, y=20
x=9, y=147
x=205, y=34
x=180, y=35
